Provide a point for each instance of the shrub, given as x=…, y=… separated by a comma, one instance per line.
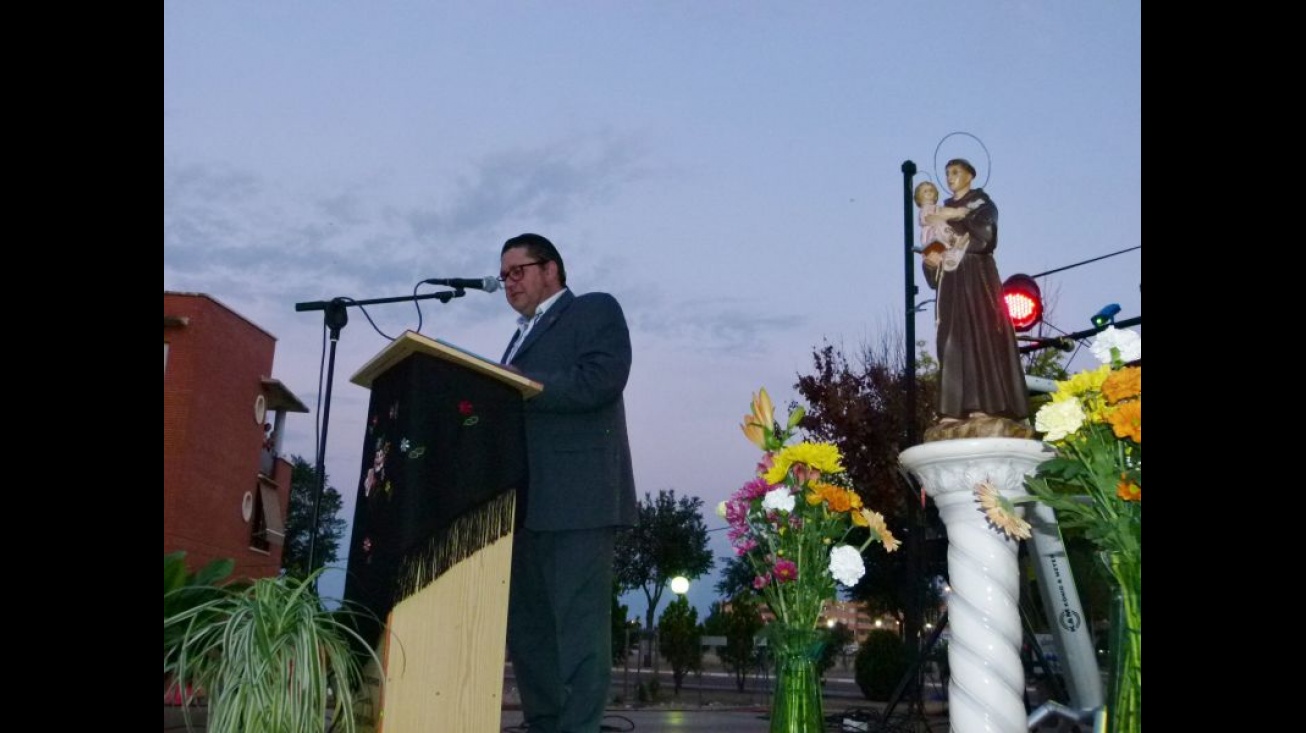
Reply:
x=184, y=591
x=881, y=664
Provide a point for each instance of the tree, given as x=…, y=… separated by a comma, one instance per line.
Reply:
x=736, y=578
x=299, y=518
x=739, y=622
x=670, y=540
x=620, y=626
x=679, y=640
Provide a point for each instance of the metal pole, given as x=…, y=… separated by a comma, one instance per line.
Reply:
x=916, y=507
x=909, y=294
x=335, y=316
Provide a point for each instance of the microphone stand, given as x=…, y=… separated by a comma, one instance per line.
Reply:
x=334, y=318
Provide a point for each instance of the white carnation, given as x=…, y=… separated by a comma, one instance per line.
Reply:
x=778, y=499
x=846, y=565
x=1128, y=343
x=1056, y=420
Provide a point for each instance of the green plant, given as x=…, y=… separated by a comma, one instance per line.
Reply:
x=881, y=663
x=184, y=590
x=270, y=657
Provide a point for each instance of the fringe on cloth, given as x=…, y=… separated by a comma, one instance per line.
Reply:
x=469, y=534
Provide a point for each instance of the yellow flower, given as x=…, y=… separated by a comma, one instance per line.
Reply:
x=1059, y=419
x=1086, y=382
x=1001, y=512
x=824, y=457
x=875, y=521
x=890, y=542
x=762, y=408
x=753, y=432
x=1123, y=384
x=1126, y=420
x=760, y=420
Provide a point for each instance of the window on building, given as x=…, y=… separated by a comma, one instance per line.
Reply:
x=267, y=527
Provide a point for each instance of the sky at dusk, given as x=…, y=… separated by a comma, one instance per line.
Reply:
x=731, y=171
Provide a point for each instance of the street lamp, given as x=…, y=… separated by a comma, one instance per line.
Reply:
x=680, y=585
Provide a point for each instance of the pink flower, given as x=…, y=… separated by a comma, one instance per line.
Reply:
x=761, y=582
x=754, y=489
x=737, y=513
x=785, y=571
x=804, y=473
x=743, y=548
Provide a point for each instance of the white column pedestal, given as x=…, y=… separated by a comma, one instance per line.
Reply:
x=987, y=684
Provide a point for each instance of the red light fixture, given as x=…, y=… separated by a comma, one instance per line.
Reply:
x=1024, y=302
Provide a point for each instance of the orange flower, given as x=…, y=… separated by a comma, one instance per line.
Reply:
x=1128, y=490
x=1122, y=384
x=1127, y=420
x=854, y=500
x=836, y=497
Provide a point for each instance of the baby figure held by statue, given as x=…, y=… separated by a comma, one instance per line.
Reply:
x=936, y=235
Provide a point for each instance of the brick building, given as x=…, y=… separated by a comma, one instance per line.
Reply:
x=226, y=490
x=852, y=614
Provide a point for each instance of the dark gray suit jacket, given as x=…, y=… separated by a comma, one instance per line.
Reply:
x=577, y=447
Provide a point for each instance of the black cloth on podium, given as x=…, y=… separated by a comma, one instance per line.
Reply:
x=443, y=462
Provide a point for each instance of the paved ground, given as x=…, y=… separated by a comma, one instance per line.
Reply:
x=711, y=704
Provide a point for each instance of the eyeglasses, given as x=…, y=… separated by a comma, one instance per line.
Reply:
x=517, y=272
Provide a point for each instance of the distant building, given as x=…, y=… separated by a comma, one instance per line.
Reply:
x=226, y=489
x=852, y=614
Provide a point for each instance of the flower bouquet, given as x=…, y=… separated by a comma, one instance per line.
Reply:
x=791, y=522
x=1094, y=421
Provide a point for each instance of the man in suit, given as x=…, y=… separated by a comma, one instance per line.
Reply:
x=581, y=488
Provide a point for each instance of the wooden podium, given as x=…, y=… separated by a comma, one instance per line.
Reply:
x=431, y=547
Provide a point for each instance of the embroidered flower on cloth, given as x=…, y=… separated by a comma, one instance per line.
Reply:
x=468, y=411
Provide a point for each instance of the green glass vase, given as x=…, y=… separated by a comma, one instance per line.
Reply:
x=796, y=706
x=1124, y=705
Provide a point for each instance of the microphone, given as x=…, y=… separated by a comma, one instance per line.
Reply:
x=488, y=284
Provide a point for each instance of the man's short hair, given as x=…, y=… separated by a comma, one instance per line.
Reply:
x=539, y=248
x=963, y=163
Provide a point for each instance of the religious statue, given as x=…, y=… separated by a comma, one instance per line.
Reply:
x=982, y=391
